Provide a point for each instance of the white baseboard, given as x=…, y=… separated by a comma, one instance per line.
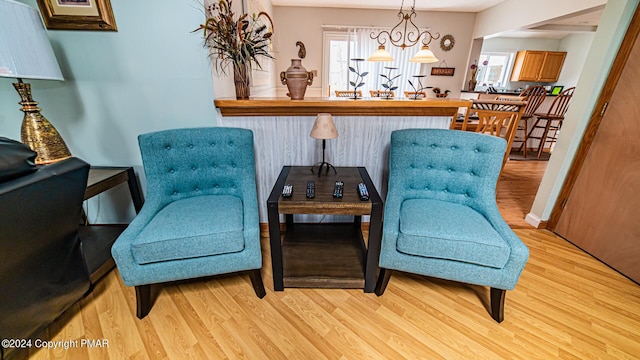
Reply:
x=533, y=220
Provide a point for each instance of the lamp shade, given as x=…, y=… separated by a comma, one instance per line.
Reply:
x=380, y=55
x=25, y=50
x=324, y=128
x=424, y=56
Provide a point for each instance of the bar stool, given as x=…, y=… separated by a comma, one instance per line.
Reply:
x=552, y=120
x=534, y=96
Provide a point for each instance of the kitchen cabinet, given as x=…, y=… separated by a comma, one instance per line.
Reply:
x=538, y=66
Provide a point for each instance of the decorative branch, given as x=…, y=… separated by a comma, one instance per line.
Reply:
x=359, y=77
x=388, y=83
x=418, y=87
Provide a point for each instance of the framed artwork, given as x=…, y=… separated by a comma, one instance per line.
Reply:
x=78, y=15
x=442, y=71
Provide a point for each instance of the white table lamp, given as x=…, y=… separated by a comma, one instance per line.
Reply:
x=324, y=128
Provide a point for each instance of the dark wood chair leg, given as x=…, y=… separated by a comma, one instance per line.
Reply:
x=143, y=300
x=526, y=138
x=543, y=139
x=497, y=304
x=256, y=281
x=383, y=281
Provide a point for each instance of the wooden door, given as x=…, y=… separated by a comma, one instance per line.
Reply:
x=603, y=203
x=552, y=66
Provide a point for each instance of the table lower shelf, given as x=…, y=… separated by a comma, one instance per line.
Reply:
x=329, y=255
x=96, y=247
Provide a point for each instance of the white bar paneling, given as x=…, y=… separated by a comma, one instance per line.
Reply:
x=362, y=141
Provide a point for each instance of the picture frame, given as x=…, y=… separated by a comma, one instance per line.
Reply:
x=556, y=90
x=78, y=15
x=442, y=71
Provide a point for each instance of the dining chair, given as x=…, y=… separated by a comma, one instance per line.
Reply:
x=200, y=217
x=415, y=94
x=348, y=93
x=441, y=218
x=381, y=93
x=497, y=118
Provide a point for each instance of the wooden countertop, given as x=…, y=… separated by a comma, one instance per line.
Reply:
x=340, y=106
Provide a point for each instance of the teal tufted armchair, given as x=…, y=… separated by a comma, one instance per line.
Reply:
x=200, y=217
x=441, y=218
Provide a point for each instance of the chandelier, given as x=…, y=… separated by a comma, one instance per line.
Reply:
x=405, y=34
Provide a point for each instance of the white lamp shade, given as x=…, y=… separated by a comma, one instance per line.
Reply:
x=25, y=50
x=424, y=56
x=380, y=55
x=324, y=128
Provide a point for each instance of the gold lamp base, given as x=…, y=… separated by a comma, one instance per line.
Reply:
x=37, y=132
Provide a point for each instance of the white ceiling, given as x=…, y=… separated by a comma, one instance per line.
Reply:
x=552, y=29
x=432, y=5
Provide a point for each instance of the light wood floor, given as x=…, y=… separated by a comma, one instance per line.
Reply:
x=517, y=189
x=566, y=305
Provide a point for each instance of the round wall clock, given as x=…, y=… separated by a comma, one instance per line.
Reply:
x=447, y=42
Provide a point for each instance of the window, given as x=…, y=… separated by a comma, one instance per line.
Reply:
x=336, y=69
x=341, y=47
x=496, y=72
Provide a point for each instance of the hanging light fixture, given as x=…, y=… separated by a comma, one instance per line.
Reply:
x=380, y=55
x=424, y=56
x=405, y=34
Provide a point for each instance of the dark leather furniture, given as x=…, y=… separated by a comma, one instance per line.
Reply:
x=42, y=270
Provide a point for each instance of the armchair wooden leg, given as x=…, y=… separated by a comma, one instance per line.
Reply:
x=497, y=304
x=143, y=300
x=256, y=281
x=383, y=281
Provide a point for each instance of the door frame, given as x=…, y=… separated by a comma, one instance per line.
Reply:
x=596, y=118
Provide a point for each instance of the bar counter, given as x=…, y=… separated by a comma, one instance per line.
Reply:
x=340, y=106
x=281, y=130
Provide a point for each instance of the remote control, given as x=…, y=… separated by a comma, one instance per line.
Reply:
x=362, y=191
x=287, y=191
x=337, y=189
x=311, y=189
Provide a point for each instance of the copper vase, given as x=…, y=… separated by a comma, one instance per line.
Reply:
x=297, y=78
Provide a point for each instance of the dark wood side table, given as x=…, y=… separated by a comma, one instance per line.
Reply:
x=97, y=239
x=325, y=255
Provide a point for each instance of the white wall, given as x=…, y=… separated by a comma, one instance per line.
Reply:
x=613, y=26
x=152, y=74
x=305, y=24
x=577, y=47
x=519, y=14
x=506, y=44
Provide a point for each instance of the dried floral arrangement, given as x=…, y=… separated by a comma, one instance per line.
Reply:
x=238, y=41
